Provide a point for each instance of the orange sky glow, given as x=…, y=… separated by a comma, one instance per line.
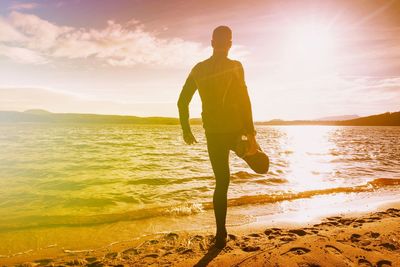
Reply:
x=302, y=59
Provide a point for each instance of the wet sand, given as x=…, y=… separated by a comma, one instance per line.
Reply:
x=371, y=239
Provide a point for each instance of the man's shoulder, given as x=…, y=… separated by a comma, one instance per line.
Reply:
x=202, y=63
x=200, y=66
x=236, y=63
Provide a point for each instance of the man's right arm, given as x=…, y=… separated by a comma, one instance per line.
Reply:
x=246, y=103
x=185, y=97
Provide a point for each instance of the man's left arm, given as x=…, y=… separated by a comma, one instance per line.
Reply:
x=185, y=97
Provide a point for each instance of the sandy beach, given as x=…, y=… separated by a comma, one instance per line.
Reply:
x=369, y=239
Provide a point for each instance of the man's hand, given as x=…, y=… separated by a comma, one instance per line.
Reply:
x=253, y=146
x=189, y=138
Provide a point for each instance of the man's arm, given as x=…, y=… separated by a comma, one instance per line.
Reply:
x=185, y=97
x=247, y=113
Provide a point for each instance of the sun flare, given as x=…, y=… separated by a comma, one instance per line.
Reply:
x=309, y=47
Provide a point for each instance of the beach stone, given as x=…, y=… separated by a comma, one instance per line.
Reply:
x=298, y=232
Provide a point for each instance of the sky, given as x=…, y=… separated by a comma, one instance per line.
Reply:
x=302, y=59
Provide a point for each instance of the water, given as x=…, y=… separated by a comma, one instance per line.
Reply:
x=54, y=176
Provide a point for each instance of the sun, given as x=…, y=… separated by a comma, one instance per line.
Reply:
x=309, y=47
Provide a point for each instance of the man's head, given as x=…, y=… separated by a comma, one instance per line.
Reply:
x=222, y=38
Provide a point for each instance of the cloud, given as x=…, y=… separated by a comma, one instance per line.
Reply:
x=23, y=6
x=115, y=45
x=22, y=55
x=8, y=33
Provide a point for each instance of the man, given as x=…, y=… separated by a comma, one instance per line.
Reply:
x=226, y=115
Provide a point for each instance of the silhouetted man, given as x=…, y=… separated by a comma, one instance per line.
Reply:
x=226, y=116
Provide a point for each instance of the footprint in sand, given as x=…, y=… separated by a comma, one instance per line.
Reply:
x=384, y=263
x=364, y=263
x=333, y=250
x=338, y=253
x=388, y=246
x=297, y=251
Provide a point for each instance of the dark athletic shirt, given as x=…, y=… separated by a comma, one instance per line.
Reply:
x=225, y=101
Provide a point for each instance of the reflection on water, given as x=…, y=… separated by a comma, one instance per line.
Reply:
x=54, y=175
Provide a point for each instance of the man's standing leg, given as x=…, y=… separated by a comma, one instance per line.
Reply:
x=218, y=151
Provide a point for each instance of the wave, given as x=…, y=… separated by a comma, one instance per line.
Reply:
x=238, y=176
x=183, y=209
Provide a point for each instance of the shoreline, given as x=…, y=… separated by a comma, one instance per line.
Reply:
x=354, y=238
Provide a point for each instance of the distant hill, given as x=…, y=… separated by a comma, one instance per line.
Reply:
x=43, y=116
x=385, y=119
x=338, y=118
x=37, y=111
